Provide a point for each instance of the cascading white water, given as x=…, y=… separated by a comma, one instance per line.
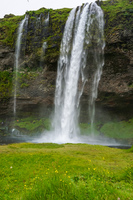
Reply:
x=47, y=20
x=82, y=49
x=98, y=58
x=62, y=73
x=69, y=110
x=72, y=62
x=17, y=56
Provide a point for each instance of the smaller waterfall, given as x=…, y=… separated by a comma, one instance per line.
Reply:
x=44, y=47
x=17, y=56
x=47, y=20
x=98, y=59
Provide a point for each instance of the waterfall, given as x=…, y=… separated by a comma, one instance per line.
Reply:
x=44, y=47
x=17, y=56
x=84, y=30
x=98, y=45
x=81, y=60
x=47, y=20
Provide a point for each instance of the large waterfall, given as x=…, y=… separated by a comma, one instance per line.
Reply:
x=83, y=32
x=17, y=57
x=81, y=51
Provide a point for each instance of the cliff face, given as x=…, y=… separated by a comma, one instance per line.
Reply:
x=38, y=70
x=36, y=79
x=116, y=85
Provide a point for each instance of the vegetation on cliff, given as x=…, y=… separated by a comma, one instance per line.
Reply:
x=119, y=130
x=31, y=125
x=32, y=41
x=118, y=18
x=5, y=84
x=118, y=15
x=123, y=129
x=8, y=30
x=118, y=25
x=9, y=26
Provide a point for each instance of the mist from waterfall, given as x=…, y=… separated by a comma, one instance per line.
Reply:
x=17, y=57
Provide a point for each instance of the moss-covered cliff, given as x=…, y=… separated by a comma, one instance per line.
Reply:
x=116, y=85
x=32, y=81
x=117, y=80
x=36, y=33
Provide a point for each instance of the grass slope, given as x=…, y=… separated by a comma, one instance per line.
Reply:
x=113, y=129
x=32, y=125
x=70, y=171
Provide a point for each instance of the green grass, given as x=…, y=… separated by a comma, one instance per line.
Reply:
x=112, y=129
x=123, y=129
x=69, y=171
x=32, y=125
x=86, y=129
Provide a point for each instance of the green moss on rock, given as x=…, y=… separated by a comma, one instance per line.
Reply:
x=118, y=16
x=5, y=84
x=118, y=130
x=32, y=125
x=8, y=30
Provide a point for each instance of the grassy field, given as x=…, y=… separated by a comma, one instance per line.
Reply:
x=70, y=171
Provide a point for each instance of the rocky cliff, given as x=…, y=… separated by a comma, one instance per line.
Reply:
x=37, y=74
